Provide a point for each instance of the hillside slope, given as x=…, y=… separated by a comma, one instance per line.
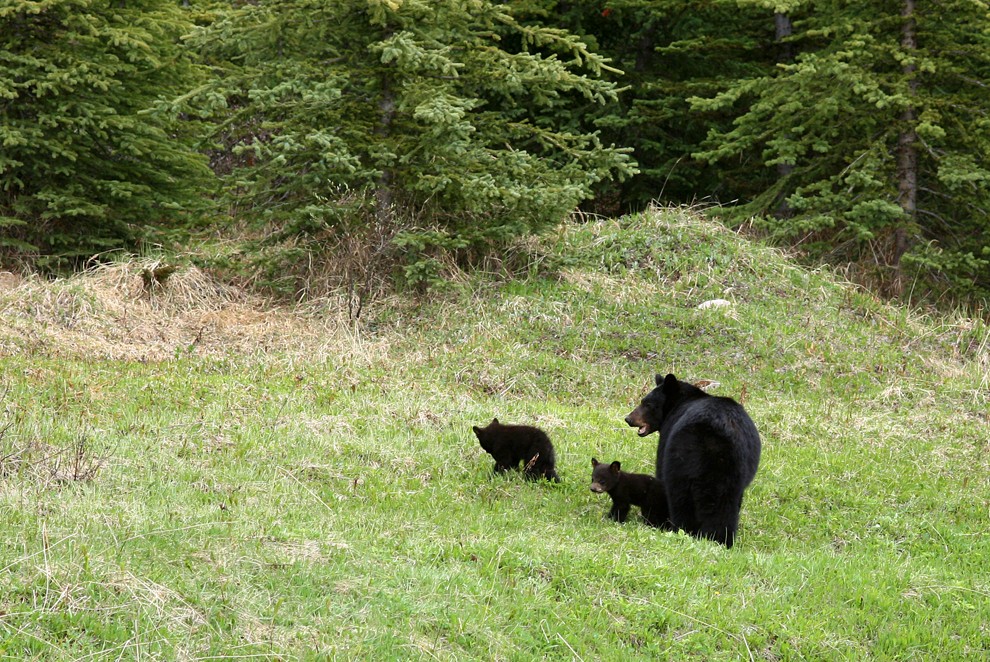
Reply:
x=194, y=473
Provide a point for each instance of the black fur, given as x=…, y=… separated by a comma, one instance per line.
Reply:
x=512, y=444
x=708, y=453
x=629, y=489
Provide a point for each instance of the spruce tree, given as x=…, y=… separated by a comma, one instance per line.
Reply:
x=667, y=51
x=89, y=161
x=881, y=121
x=440, y=117
x=675, y=50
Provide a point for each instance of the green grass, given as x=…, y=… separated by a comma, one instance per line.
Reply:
x=324, y=497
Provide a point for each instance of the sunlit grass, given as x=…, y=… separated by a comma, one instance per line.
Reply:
x=319, y=493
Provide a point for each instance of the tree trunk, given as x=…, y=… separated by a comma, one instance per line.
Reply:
x=783, y=28
x=383, y=192
x=384, y=199
x=907, y=152
x=645, y=49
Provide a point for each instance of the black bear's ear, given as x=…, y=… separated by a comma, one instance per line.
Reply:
x=670, y=384
x=476, y=429
x=659, y=379
x=615, y=466
x=594, y=462
x=495, y=421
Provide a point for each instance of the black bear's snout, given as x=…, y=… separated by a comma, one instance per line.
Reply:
x=637, y=419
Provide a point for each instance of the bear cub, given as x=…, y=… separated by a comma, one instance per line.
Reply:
x=511, y=444
x=629, y=489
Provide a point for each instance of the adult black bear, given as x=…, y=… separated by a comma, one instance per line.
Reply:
x=629, y=489
x=512, y=444
x=708, y=453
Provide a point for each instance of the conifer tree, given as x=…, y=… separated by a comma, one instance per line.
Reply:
x=441, y=114
x=673, y=50
x=882, y=123
x=668, y=51
x=88, y=163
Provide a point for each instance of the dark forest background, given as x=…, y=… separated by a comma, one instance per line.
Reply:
x=384, y=139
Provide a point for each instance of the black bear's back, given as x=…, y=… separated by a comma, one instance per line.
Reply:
x=708, y=454
x=713, y=431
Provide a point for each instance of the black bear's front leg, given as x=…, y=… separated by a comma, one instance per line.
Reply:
x=655, y=509
x=619, y=512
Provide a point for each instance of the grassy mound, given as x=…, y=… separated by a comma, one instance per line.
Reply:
x=290, y=487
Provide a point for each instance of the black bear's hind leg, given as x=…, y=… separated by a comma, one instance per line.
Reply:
x=658, y=519
x=720, y=523
x=720, y=534
x=656, y=512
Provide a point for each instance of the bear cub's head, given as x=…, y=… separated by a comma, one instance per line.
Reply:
x=604, y=477
x=487, y=435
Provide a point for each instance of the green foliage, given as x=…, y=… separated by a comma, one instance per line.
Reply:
x=805, y=130
x=668, y=51
x=414, y=135
x=837, y=118
x=418, y=109
x=89, y=163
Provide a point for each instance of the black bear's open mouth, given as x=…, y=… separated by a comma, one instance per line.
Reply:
x=637, y=420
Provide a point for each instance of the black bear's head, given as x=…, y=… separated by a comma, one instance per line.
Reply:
x=604, y=477
x=653, y=409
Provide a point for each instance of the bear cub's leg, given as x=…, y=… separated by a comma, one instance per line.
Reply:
x=627, y=490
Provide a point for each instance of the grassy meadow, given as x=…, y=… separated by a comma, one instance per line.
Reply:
x=191, y=474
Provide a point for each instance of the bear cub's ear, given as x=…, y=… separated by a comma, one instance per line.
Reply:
x=594, y=462
x=495, y=421
x=476, y=429
x=615, y=467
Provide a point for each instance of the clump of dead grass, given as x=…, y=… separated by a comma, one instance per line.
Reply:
x=115, y=311
x=48, y=464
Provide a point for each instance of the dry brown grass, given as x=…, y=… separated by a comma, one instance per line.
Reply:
x=110, y=311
